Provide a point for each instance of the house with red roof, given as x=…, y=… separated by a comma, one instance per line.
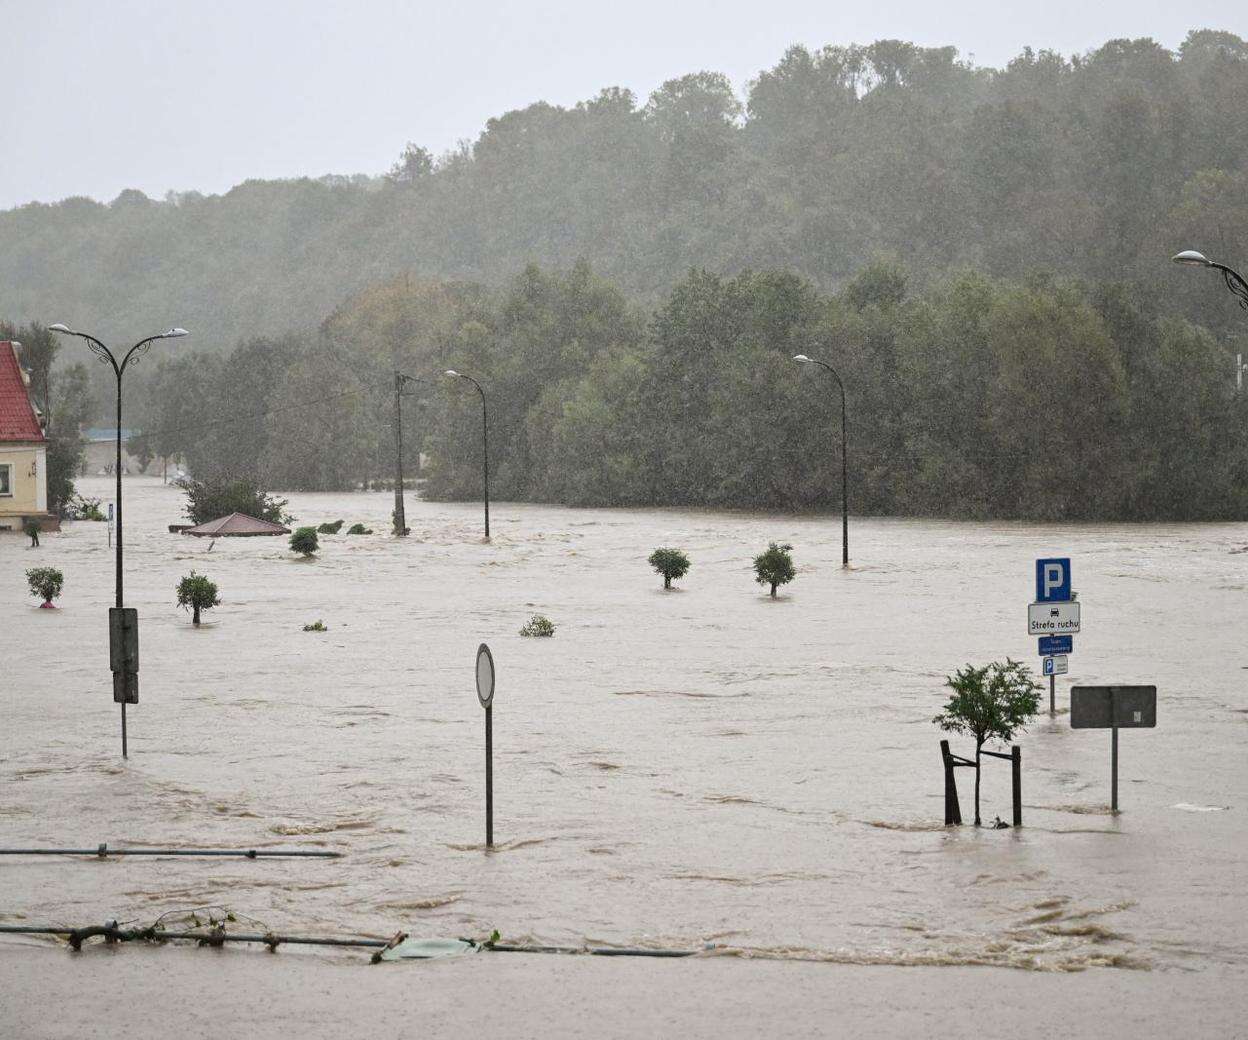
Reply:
x=23, y=447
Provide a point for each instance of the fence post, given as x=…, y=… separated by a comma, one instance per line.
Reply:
x=1016, y=768
x=953, y=814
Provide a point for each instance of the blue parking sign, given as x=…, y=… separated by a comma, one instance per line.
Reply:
x=1051, y=646
x=1053, y=580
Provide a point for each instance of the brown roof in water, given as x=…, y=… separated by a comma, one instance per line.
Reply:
x=237, y=524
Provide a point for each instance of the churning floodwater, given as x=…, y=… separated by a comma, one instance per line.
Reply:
x=700, y=766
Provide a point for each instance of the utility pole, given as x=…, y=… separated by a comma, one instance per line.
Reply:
x=400, y=517
x=400, y=513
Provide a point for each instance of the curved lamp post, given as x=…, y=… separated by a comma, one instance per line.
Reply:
x=1234, y=281
x=106, y=356
x=802, y=359
x=485, y=443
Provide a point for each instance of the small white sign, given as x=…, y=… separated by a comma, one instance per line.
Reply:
x=1053, y=619
x=1057, y=665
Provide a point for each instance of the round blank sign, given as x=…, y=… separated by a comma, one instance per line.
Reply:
x=485, y=675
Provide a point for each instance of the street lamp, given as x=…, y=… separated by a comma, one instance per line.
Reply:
x=485, y=443
x=802, y=359
x=1234, y=281
x=106, y=356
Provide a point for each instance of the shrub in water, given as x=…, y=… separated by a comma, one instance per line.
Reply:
x=86, y=509
x=539, y=625
x=46, y=583
x=31, y=530
x=989, y=703
x=316, y=626
x=333, y=528
x=670, y=563
x=198, y=593
x=359, y=529
x=304, y=541
x=774, y=567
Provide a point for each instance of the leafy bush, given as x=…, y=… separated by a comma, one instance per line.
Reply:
x=304, y=541
x=198, y=593
x=46, y=583
x=539, y=625
x=316, y=626
x=359, y=529
x=670, y=563
x=774, y=567
x=83, y=508
x=207, y=500
x=333, y=528
x=989, y=703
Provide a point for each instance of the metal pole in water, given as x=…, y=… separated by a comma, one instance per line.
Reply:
x=1114, y=767
x=1016, y=769
x=1113, y=753
x=489, y=776
x=1052, y=694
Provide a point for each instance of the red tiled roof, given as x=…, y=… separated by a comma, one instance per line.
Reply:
x=18, y=421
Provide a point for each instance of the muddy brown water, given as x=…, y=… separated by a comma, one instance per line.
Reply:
x=698, y=767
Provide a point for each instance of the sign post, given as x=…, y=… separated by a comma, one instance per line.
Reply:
x=1113, y=708
x=485, y=694
x=1054, y=617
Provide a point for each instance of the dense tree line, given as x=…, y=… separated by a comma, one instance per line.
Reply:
x=970, y=396
x=1095, y=167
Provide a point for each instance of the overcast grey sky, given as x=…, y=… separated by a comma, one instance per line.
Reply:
x=101, y=95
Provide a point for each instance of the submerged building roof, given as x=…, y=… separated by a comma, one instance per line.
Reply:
x=18, y=421
x=236, y=524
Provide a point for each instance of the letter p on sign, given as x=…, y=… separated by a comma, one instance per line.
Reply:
x=1053, y=580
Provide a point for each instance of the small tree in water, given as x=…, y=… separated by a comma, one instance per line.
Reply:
x=46, y=583
x=198, y=593
x=775, y=567
x=989, y=703
x=304, y=541
x=671, y=563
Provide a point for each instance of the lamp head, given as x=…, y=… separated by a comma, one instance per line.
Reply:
x=452, y=373
x=801, y=359
x=61, y=327
x=174, y=333
x=1191, y=258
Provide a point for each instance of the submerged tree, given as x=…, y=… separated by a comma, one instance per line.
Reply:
x=670, y=563
x=989, y=703
x=208, y=499
x=198, y=593
x=46, y=583
x=775, y=567
x=304, y=541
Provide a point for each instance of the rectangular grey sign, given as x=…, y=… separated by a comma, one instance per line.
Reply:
x=1103, y=707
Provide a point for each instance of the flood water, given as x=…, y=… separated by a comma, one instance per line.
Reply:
x=700, y=766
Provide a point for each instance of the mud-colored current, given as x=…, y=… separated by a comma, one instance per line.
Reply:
x=699, y=766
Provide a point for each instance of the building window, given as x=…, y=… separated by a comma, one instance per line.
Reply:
x=6, y=479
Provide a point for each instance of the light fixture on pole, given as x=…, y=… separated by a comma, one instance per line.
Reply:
x=802, y=359
x=485, y=443
x=1234, y=281
x=122, y=625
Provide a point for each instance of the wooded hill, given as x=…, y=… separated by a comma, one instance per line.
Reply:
x=1098, y=166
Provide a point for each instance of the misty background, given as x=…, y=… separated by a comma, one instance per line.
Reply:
x=202, y=96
